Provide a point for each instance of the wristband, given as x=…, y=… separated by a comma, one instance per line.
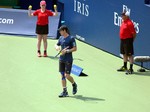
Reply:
x=68, y=51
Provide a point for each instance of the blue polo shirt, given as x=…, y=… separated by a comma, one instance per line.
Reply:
x=66, y=42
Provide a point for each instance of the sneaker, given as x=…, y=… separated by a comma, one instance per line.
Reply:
x=45, y=54
x=63, y=94
x=130, y=71
x=74, y=91
x=39, y=54
x=122, y=69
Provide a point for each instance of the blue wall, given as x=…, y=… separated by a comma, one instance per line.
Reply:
x=98, y=22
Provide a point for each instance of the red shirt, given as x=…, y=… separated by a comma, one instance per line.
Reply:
x=127, y=29
x=42, y=17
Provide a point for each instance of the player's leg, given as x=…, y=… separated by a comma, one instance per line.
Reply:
x=74, y=85
x=70, y=78
x=45, y=45
x=45, y=33
x=125, y=58
x=39, y=37
x=130, y=53
x=63, y=79
x=131, y=60
x=68, y=66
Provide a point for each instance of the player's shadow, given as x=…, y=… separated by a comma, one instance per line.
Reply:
x=77, y=59
x=53, y=57
x=87, y=99
x=146, y=73
x=56, y=58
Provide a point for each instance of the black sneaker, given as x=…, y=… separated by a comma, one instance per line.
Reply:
x=122, y=69
x=130, y=71
x=74, y=91
x=63, y=94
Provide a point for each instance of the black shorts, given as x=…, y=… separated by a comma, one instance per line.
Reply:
x=42, y=29
x=65, y=67
x=126, y=47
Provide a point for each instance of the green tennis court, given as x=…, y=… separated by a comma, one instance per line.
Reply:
x=32, y=84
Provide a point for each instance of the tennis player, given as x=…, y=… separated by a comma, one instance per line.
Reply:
x=68, y=45
x=42, y=27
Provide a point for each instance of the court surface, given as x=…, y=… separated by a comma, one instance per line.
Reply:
x=32, y=84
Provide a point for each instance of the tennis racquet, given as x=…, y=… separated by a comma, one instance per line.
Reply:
x=60, y=52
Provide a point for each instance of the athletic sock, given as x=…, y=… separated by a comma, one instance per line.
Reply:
x=73, y=84
x=38, y=51
x=125, y=64
x=44, y=51
x=131, y=66
x=64, y=89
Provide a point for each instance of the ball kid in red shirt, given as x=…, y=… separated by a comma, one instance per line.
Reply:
x=42, y=25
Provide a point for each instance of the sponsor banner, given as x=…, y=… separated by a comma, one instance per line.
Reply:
x=14, y=21
x=76, y=70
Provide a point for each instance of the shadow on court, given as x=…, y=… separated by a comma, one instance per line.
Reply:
x=53, y=57
x=146, y=73
x=87, y=99
x=77, y=59
x=56, y=58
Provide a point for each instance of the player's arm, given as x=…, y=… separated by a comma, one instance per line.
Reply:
x=132, y=29
x=134, y=35
x=66, y=50
x=55, y=11
x=57, y=47
x=73, y=49
x=74, y=45
x=29, y=11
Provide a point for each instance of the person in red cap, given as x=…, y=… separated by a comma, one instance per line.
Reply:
x=127, y=37
x=42, y=25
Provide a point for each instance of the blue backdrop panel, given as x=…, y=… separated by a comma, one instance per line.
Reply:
x=99, y=21
x=14, y=21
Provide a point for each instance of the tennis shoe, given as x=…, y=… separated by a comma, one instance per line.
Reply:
x=130, y=71
x=74, y=90
x=39, y=54
x=122, y=69
x=45, y=54
x=63, y=94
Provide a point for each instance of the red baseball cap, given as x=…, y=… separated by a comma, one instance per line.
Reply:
x=42, y=2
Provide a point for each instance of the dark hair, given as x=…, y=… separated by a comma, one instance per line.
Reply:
x=64, y=27
x=123, y=13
